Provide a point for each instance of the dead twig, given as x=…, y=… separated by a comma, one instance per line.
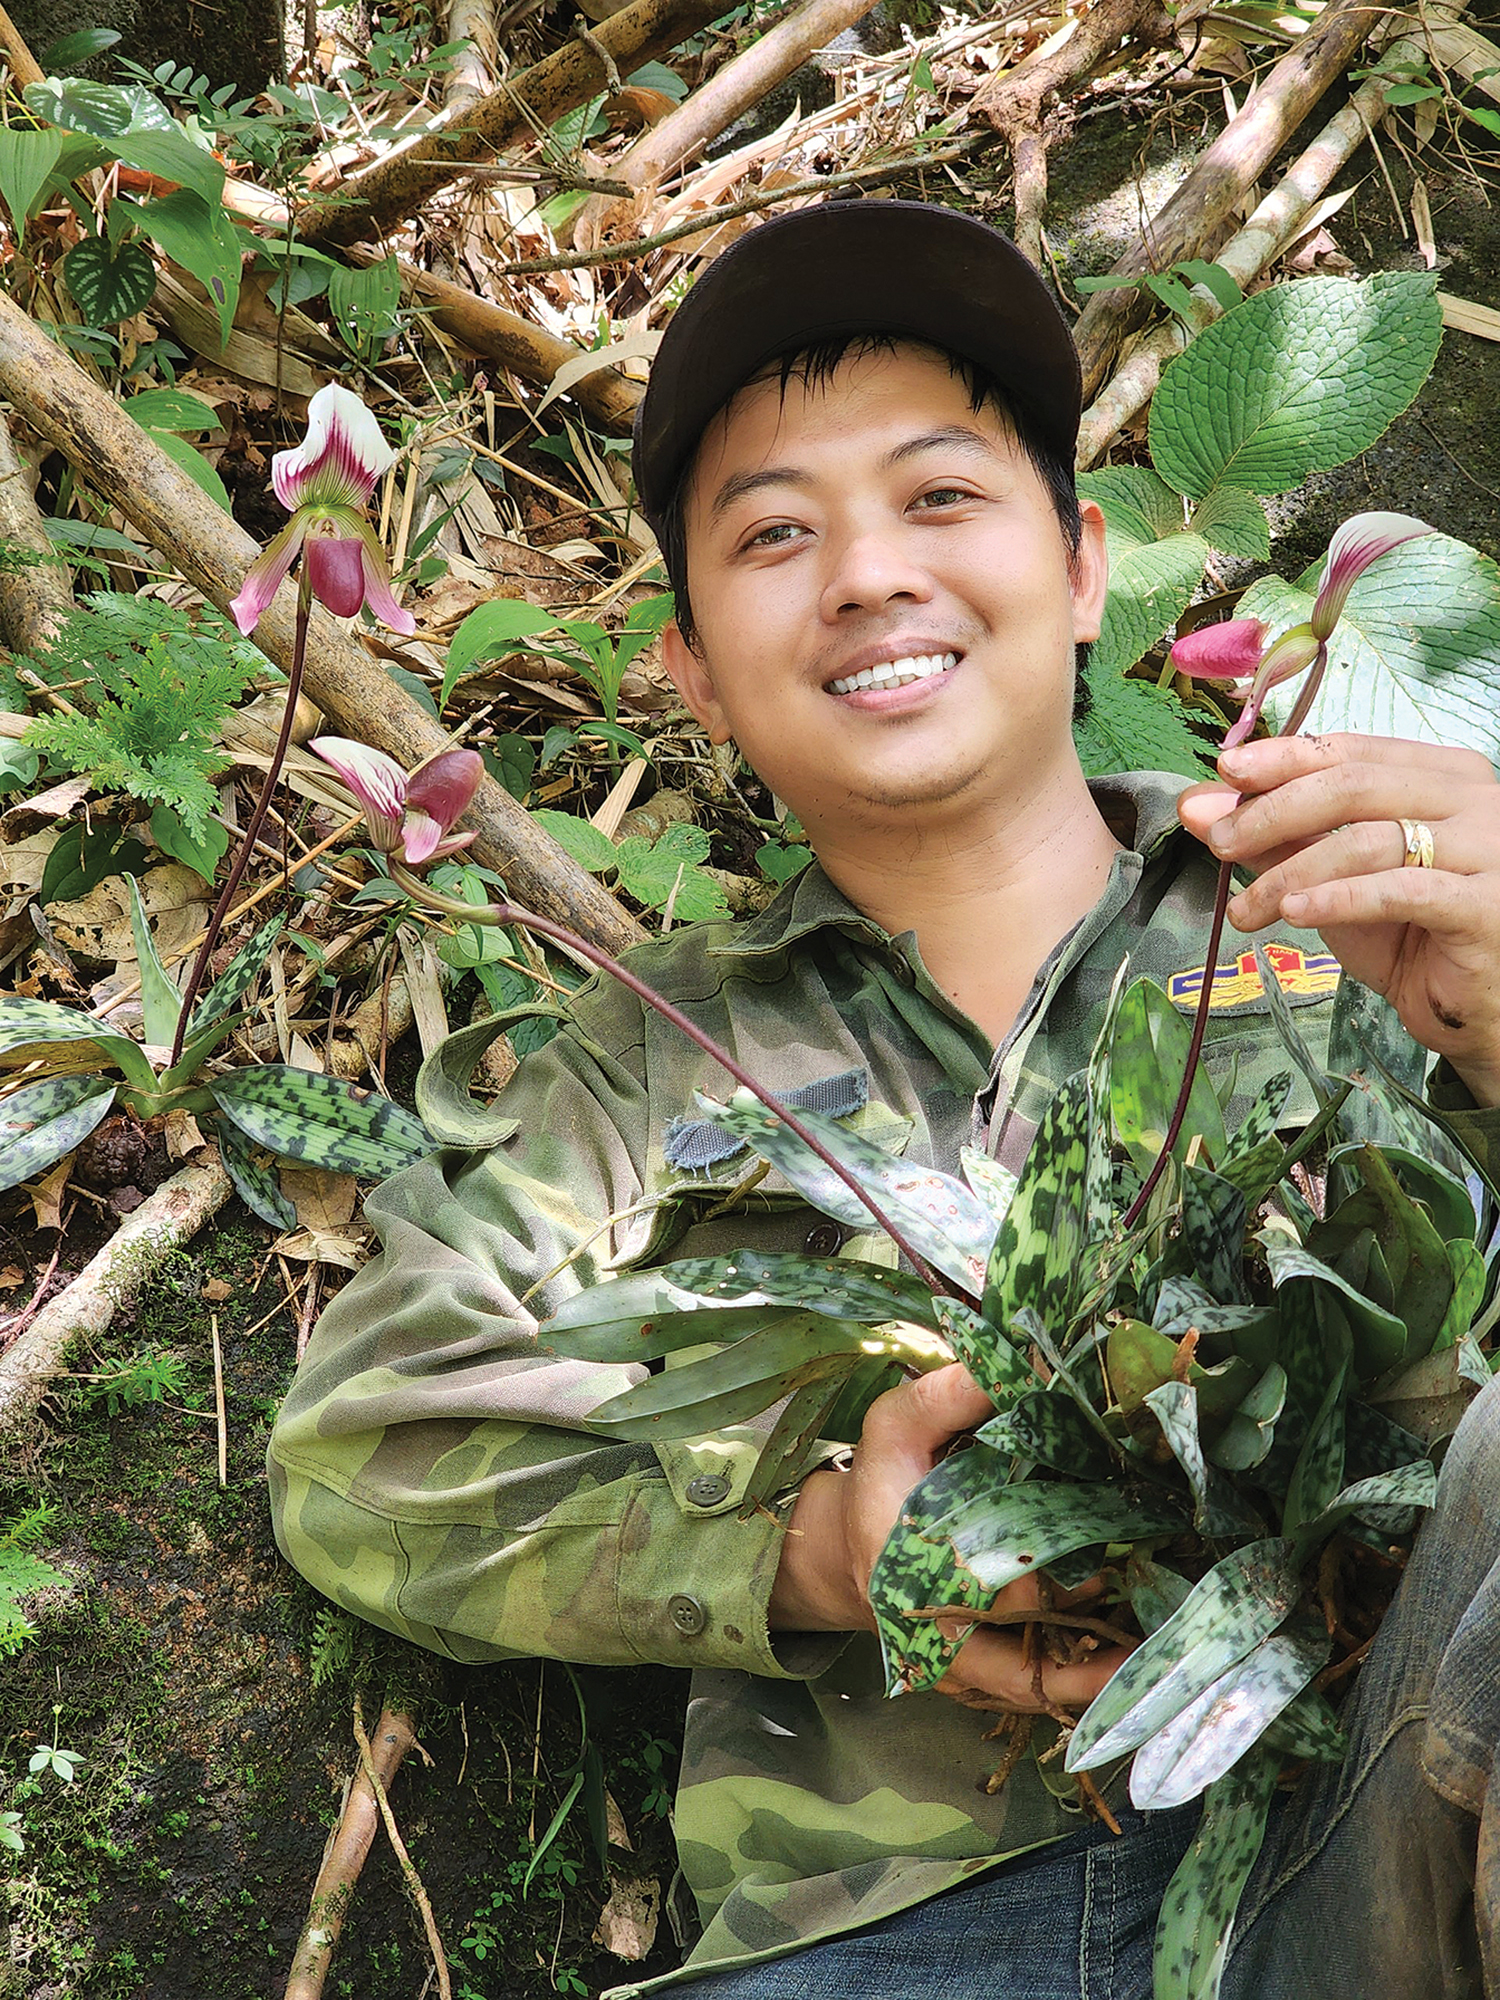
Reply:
x=408, y=1867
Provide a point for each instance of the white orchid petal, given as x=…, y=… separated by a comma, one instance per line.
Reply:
x=1363, y=539
x=377, y=781
x=340, y=459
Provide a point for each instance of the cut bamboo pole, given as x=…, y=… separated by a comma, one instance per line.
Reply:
x=1233, y=163
x=123, y=462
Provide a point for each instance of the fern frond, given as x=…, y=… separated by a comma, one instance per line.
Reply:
x=1133, y=726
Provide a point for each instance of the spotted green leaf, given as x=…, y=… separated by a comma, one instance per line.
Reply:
x=1035, y=1262
x=991, y=1357
x=161, y=1002
x=1049, y=1429
x=320, y=1119
x=1212, y=1733
x=802, y=1419
x=1213, y=1232
x=1217, y=1508
x=1288, y=1033
x=1319, y=1471
x=1246, y=1437
x=1254, y=1155
x=1192, y=1932
x=1413, y=1485
x=943, y=1221
x=1467, y=1268
x=1147, y=1064
x=1379, y=1337
x=993, y=1183
x=256, y=1185
x=1240, y=1602
x=42, y=1122
x=846, y=1287
x=235, y=981
x=29, y=1028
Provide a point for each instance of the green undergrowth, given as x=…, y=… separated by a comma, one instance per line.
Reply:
x=208, y=1693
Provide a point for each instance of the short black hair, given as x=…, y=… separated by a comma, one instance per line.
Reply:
x=816, y=363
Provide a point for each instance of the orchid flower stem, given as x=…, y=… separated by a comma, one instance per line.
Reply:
x=1195, y=1049
x=257, y=816
x=1307, y=694
x=509, y=913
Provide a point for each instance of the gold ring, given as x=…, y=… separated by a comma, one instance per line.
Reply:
x=1418, y=837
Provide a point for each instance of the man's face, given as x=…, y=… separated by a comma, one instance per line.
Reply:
x=886, y=613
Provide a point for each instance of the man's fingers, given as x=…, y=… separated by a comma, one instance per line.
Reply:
x=1266, y=762
x=1371, y=847
x=994, y=1665
x=921, y=1416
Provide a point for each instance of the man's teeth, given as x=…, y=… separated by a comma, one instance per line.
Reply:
x=896, y=673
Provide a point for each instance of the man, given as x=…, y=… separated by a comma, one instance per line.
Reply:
x=857, y=451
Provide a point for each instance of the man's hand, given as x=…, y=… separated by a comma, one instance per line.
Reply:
x=1317, y=818
x=840, y=1525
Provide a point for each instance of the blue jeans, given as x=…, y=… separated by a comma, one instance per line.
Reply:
x=1379, y=1878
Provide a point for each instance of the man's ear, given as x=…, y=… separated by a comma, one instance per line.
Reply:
x=1089, y=576
x=690, y=676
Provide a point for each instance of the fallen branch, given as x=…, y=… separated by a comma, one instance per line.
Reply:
x=22, y=64
x=476, y=65
x=345, y=1855
x=34, y=600
x=395, y=186
x=1253, y=248
x=1185, y=224
x=728, y=94
x=120, y=459
x=165, y=1220
x=1016, y=103
x=408, y=1868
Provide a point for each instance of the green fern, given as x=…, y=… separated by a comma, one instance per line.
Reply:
x=332, y=1650
x=21, y=1573
x=1135, y=726
x=159, y=681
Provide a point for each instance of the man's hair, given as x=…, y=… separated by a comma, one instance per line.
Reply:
x=817, y=363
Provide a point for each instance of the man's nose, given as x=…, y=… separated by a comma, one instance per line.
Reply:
x=871, y=568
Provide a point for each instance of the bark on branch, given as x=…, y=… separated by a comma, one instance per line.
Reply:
x=1236, y=159
x=120, y=460
x=35, y=600
x=394, y=187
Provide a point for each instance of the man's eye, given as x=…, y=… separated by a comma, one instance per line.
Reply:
x=943, y=496
x=772, y=537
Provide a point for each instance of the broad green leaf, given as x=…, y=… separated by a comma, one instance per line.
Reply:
x=1405, y=1486
x=320, y=1119
x=1380, y=1338
x=1469, y=1277
x=1138, y=506
x=256, y=1185
x=43, y=1121
x=1036, y=1258
x=1246, y=1437
x=1211, y=1734
x=491, y=631
x=1197, y=1912
x=1319, y=1470
x=109, y=284
x=26, y=163
x=363, y=304
x=1297, y=379
x=590, y=848
x=802, y=1419
x=1213, y=1233
x=1147, y=1065
x=845, y=1287
x=235, y=981
x=70, y=50
x=194, y=464
x=1415, y=652
x=1240, y=1602
x=1234, y=522
x=103, y=109
x=170, y=154
x=665, y=873
x=202, y=854
x=1441, y=1189
x=198, y=234
x=31, y=1026
x=1151, y=584
x=791, y=1351
x=1048, y=1428
x=1134, y=726
x=942, y=1220
x=172, y=410
x=650, y=1332
x=161, y=1002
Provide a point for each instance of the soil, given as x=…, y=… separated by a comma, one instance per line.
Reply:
x=209, y=1692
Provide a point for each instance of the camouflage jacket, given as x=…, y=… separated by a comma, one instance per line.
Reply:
x=429, y=1471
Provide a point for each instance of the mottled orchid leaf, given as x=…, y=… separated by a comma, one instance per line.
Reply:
x=1213, y=1232
x=846, y=1287
x=255, y=1184
x=1406, y=1486
x=1372, y=1443
x=1197, y=1912
x=1148, y=1060
x=959, y=1544
x=1380, y=1338
x=991, y=1357
x=1212, y=1733
x=1319, y=1471
x=657, y=1332
x=39, y=1029
x=1364, y=1029
x=1446, y=1196
x=235, y=981
x=1415, y=1253
x=1099, y=1176
x=1138, y=1359
x=1287, y=1031
x=994, y=1184
x=1246, y=1437
x=44, y=1121
x=1256, y=1130
x=788, y=1353
x=161, y=1001
x=799, y=1423
x=943, y=1221
x=1036, y=1258
x=844, y=1419
x=1049, y=1429
x=1178, y=1304
x=1405, y=1119
x=1217, y=1508
x=1307, y=1731
x=1240, y=1602
x=1469, y=1278
x=320, y=1119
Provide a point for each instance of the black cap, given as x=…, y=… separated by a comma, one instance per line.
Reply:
x=906, y=268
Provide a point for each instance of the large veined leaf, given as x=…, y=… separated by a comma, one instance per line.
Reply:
x=1300, y=378
x=26, y=163
x=1136, y=726
x=1234, y=522
x=31, y=1027
x=320, y=1119
x=1197, y=1912
x=944, y=1222
x=1415, y=653
x=109, y=282
x=43, y=1121
x=1212, y=1733
x=1241, y=1601
x=199, y=234
x=1035, y=1260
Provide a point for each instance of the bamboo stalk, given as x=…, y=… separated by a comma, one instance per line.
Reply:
x=120, y=460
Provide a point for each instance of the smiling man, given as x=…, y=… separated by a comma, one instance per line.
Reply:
x=857, y=451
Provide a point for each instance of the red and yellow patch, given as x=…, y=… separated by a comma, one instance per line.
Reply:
x=1301, y=976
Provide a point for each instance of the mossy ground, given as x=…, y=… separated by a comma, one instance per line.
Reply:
x=210, y=1697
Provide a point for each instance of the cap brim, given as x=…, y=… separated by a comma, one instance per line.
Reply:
x=907, y=269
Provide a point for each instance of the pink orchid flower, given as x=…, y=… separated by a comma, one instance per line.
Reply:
x=1236, y=649
x=407, y=816
x=326, y=483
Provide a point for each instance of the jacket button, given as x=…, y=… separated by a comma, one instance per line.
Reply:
x=687, y=1614
x=707, y=1489
x=823, y=1239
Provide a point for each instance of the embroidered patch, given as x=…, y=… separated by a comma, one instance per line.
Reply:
x=1301, y=975
x=690, y=1142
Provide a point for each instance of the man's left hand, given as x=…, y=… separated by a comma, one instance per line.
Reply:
x=1318, y=821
